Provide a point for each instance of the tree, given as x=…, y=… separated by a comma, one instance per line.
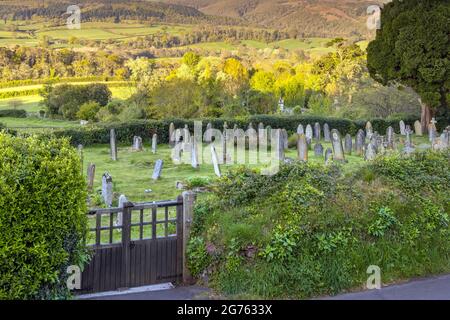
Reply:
x=411, y=48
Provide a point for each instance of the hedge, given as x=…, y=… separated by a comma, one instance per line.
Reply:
x=125, y=131
x=13, y=113
x=43, y=222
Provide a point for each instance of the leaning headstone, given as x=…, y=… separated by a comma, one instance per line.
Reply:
x=309, y=134
x=90, y=176
x=154, y=143
x=113, y=144
x=359, y=142
x=328, y=156
x=302, y=148
x=326, y=132
x=171, y=134
x=215, y=161
x=348, y=144
x=418, y=128
x=402, y=128
x=137, y=143
x=122, y=200
x=300, y=129
x=317, y=132
x=370, y=152
x=107, y=189
x=157, y=169
x=336, y=142
x=318, y=150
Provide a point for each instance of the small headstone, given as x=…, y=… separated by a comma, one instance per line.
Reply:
x=137, y=143
x=418, y=128
x=157, y=169
x=91, y=176
x=154, y=143
x=113, y=144
x=300, y=129
x=348, y=144
x=215, y=161
x=326, y=132
x=317, y=131
x=336, y=142
x=107, y=189
x=402, y=128
x=318, y=150
x=370, y=152
x=309, y=134
x=302, y=148
x=328, y=156
x=171, y=134
x=359, y=142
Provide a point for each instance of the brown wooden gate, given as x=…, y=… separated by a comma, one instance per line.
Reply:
x=146, y=248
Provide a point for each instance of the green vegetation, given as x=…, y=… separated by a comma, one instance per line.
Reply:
x=43, y=221
x=310, y=230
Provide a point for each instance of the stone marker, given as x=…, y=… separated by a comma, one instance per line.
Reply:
x=91, y=176
x=370, y=152
x=186, y=134
x=418, y=128
x=171, y=134
x=318, y=150
x=348, y=144
x=300, y=129
x=277, y=139
x=408, y=149
x=137, y=143
x=317, y=132
x=157, y=169
x=215, y=161
x=309, y=134
x=402, y=128
x=154, y=143
x=107, y=189
x=208, y=133
x=360, y=142
x=285, y=139
x=302, y=148
x=432, y=130
x=336, y=142
x=390, y=136
x=113, y=145
x=328, y=156
x=122, y=200
x=369, y=130
x=80, y=153
x=326, y=132
x=194, y=155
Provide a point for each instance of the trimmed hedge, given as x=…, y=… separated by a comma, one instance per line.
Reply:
x=43, y=223
x=125, y=131
x=13, y=113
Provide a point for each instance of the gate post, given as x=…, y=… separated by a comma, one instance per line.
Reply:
x=126, y=238
x=189, y=198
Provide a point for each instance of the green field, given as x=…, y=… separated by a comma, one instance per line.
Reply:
x=35, y=123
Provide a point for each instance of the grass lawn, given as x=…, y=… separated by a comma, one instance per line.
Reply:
x=34, y=123
x=29, y=103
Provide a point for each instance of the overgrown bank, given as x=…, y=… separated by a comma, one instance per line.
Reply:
x=310, y=230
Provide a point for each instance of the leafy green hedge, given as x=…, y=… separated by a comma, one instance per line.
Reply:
x=43, y=220
x=13, y=113
x=312, y=230
x=99, y=133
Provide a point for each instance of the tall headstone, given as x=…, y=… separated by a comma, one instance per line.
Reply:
x=122, y=200
x=359, y=142
x=302, y=148
x=285, y=139
x=208, y=133
x=154, y=143
x=171, y=134
x=186, y=134
x=348, y=144
x=318, y=150
x=326, y=132
x=418, y=128
x=90, y=176
x=402, y=128
x=390, y=136
x=194, y=155
x=300, y=129
x=157, y=169
x=215, y=161
x=370, y=152
x=317, y=132
x=336, y=142
x=113, y=144
x=80, y=153
x=107, y=189
x=369, y=130
x=137, y=143
x=328, y=156
x=432, y=130
x=408, y=149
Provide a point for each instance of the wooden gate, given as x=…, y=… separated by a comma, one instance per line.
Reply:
x=145, y=248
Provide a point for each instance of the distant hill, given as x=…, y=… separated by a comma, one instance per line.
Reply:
x=322, y=18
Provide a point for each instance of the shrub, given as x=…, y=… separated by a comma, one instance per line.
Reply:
x=42, y=217
x=13, y=113
x=88, y=111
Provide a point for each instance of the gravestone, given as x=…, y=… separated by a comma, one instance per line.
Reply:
x=208, y=133
x=285, y=139
x=154, y=143
x=390, y=136
x=215, y=161
x=225, y=126
x=171, y=134
x=137, y=143
x=336, y=142
x=326, y=132
x=318, y=150
x=107, y=189
x=277, y=139
x=359, y=142
x=157, y=169
x=186, y=134
x=370, y=152
x=261, y=134
x=328, y=156
x=418, y=128
x=317, y=132
x=302, y=148
x=408, y=149
x=402, y=128
x=348, y=144
x=300, y=129
x=80, y=153
x=113, y=144
x=122, y=200
x=369, y=130
x=432, y=130
x=309, y=134
x=194, y=155
x=91, y=176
